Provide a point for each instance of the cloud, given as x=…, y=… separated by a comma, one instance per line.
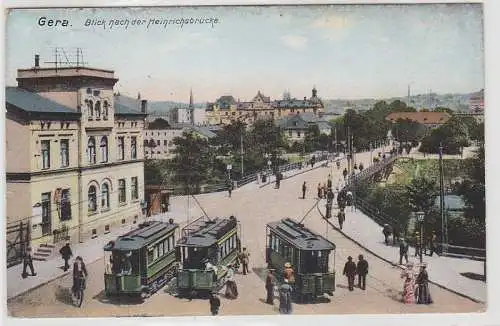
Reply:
x=295, y=42
x=332, y=22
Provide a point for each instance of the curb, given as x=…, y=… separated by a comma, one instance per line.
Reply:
x=45, y=282
x=396, y=265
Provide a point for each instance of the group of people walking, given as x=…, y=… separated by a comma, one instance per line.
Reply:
x=351, y=269
x=416, y=289
x=285, y=290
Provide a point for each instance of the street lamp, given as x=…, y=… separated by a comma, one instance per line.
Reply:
x=420, y=219
x=228, y=168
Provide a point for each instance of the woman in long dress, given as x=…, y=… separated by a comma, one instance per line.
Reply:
x=231, y=288
x=423, y=294
x=285, y=291
x=409, y=284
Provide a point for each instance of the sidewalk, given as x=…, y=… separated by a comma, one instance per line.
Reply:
x=444, y=271
x=51, y=269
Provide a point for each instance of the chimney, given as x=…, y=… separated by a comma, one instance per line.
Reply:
x=144, y=106
x=37, y=61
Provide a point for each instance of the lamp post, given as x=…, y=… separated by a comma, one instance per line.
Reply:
x=420, y=219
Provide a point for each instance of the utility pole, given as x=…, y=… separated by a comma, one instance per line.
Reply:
x=241, y=146
x=444, y=222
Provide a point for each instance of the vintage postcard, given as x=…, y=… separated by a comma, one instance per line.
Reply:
x=245, y=160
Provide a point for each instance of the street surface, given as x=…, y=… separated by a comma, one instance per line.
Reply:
x=254, y=207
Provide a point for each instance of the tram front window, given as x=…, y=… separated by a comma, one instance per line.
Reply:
x=125, y=263
x=193, y=257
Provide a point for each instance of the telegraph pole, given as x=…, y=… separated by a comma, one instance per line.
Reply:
x=241, y=146
x=444, y=222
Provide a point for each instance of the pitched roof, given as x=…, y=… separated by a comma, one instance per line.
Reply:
x=127, y=105
x=33, y=103
x=292, y=103
x=299, y=236
x=265, y=99
x=420, y=117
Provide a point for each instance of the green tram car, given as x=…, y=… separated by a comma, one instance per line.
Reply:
x=216, y=242
x=307, y=252
x=141, y=261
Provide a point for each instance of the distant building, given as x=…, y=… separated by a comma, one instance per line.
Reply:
x=74, y=153
x=226, y=109
x=296, y=125
x=159, y=138
x=476, y=102
x=429, y=119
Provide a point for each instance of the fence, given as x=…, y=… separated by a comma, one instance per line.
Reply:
x=18, y=239
x=382, y=218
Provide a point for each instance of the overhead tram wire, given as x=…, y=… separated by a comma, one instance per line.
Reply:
x=309, y=211
x=201, y=207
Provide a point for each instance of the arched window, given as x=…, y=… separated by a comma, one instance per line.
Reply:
x=92, y=199
x=105, y=110
x=105, y=196
x=91, y=150
x=90, y=108
x=97, y=110
x=104, y=149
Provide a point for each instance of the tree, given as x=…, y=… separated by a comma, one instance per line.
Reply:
x=443, y=109
x=312, y=138
x=452, y=136
x=422, y=194
x=191, y=162
x=406, y=130
x=473, y=190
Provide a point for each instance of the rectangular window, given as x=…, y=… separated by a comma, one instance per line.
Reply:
x=45, y=154
x=64, y=143
x=155, y=252
x=65, y=205
x=121, y=148
x=158, y=142
x=165, y=142
x=122, y=197
x=134, y=190
x=298, y=133
x=150, y=255
x=133, y=147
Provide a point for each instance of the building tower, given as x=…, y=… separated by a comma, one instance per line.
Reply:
x=190, y=111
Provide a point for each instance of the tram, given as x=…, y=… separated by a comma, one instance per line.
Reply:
x=290, y=242
x=206, y=248
x=141, y=261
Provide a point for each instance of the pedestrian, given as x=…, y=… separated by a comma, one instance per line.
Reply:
x=230, y=189
x=79, y=274
x=362, y=271
x=289, y=273
x=325, y=189
x=338, y=165
x=285, y=292
x=244, y=258
x=320, y=191
x=270, y=284
x=28, y=262
x=231, y=288
x=409, y=284
x=304, y=188
x=350, y=272
x=361, y=167
x=66, y=254
x=344, y=173
x=387, y=232
x=395, y=234
x=403, y=251
x=417, y=243
x=341, y=217
x=214, y=303
x=423, y=293
x=432, y=244
x=329, y=182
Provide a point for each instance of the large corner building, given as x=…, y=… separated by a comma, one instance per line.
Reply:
x=74, y=154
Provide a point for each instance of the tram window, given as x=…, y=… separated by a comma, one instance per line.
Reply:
x=170, y=242
x=160, y=249
x=227, y=247
x=108, y=260
x=221, y=252
x=155, y=253
x=127, y=262
x=150, y=255
x=319, y=254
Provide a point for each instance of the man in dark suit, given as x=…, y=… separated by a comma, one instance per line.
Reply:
x=350, y=272
x=362, y=270
x=28, y=262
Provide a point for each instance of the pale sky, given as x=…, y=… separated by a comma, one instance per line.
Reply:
x=346, y=51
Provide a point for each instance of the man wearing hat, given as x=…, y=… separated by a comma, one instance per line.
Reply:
x=66, y=254
x=244, y=258
x=362, y=270
x=350, y=272
x=403, y=251
x=270, y=284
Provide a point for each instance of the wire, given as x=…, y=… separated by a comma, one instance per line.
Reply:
x=315, y=205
